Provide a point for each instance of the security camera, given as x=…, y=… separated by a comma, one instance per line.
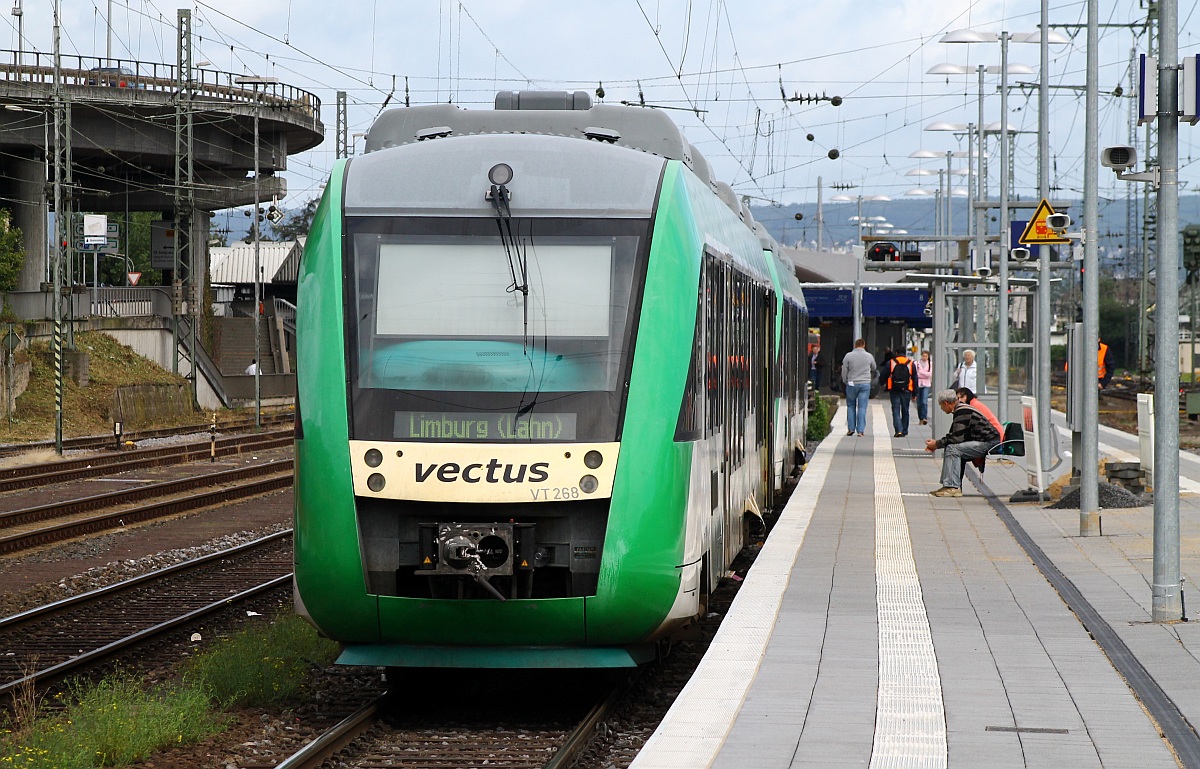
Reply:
x=1019, y=253
x=928, y=312
x=983, y=271
x=1118, y=158
x=1058, y=222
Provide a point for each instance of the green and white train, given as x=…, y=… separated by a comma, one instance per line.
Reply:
x=549, y=370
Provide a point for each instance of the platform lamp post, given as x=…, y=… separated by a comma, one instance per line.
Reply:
x=20, y=14
x=921, y=191
x=256, y=81
x=1044, y=37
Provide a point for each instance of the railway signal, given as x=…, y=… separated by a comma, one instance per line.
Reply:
x=1191, y=251
x=883, y=252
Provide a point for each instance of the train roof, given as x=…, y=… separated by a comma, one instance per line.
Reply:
x=552, y=113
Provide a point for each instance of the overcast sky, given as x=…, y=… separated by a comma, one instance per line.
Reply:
x=720, y=65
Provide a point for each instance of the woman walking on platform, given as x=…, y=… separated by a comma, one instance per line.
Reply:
x=924, y=382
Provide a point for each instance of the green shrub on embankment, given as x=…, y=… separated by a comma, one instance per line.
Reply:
x=264, y=669
x=819, y=417
x=122, y=720
x=111, y=723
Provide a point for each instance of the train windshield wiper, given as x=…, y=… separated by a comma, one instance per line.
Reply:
x=518, y=262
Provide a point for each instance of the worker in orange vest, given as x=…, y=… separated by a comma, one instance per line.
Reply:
x=1105, y=364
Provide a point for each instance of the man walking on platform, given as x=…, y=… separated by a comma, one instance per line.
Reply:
x=858, y=372
x=971, y=436
x=900, y=379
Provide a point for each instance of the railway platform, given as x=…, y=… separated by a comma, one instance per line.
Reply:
x=881, y=626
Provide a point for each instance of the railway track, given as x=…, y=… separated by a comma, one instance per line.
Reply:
x=375, y=737
x=44, y=474
x=96, y=442
x=44, y=644
x=56, y=521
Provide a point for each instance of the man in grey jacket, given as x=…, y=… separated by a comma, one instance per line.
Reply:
x=858, y=372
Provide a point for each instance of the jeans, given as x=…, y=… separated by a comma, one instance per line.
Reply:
x=923, y=403
x=900, y=401
x=955, y=454
x=856, y=406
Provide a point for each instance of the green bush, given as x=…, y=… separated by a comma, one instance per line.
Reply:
x=264, y=666
x=120, y=720
x=12, y=252
x=112, y=723
x=819, y=417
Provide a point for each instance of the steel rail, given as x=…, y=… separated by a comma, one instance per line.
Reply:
x=350, y=728
x=579, y=738
x=336, y=739
x=117, y=519
x=45, y=474
x=105, y=441
x=39, y=612
x=63, y=668
x=148, y=491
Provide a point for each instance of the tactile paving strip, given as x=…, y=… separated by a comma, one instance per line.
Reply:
x=910, y=719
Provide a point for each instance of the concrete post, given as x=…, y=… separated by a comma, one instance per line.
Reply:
x=28, y=180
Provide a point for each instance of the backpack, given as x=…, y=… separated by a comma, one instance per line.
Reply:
x=901, y=375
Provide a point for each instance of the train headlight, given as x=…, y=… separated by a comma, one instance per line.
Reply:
x=500, y=174
x=373, y=458
x=588, y=484
x=376, y=482
x=593, y=459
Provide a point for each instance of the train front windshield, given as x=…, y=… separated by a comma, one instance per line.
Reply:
x=468, y=330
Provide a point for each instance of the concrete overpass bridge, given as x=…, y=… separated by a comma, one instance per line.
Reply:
x=123, y=148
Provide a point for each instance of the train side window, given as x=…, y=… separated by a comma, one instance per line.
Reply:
x=688, y=426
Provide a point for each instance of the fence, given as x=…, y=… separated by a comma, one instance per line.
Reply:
x=32, y=67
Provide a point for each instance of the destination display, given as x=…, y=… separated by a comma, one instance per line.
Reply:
x=472, y=426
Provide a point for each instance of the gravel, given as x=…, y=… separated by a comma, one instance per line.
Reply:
x=1111, y=497
x=114, y=571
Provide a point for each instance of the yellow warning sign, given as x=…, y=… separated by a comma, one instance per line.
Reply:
x=426, y=561
x=1037, y=232
x=524, y=564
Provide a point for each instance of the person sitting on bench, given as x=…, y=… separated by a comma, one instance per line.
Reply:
x=971, y=435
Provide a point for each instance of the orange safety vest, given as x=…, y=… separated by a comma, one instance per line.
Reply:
x=1100, y=355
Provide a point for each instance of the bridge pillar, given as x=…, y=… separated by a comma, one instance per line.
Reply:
x=26, y=187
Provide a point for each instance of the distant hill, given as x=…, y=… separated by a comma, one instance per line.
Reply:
x=917, y=216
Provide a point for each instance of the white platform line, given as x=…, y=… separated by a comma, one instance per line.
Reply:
x=694, y=729
x=910, y=720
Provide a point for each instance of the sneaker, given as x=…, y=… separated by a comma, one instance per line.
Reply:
x=947, y=491
x=851, y=432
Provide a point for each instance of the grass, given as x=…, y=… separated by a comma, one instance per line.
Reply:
x=120, y=720
x=265, y=669
x=112, y=723
x=86, y=410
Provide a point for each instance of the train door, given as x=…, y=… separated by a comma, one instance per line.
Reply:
x=765, y=356
x=738, y=339
x=717, y=433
